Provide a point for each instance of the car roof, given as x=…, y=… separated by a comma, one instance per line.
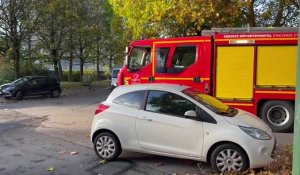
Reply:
x=147, y=86
x=39, y=77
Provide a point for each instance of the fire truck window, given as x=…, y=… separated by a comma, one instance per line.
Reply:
x=184, y=56
x=162, y=56
x=140, y=57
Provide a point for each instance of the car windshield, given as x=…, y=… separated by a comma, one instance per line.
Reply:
x=115, y=73
x=210, y=102
x=140, y=57
x=20, y=81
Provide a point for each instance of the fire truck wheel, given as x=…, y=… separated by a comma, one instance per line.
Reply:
x=279, y=115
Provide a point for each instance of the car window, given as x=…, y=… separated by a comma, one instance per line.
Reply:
x=115, y=73
x=140, y=57
x=43, y=81
x=162, y=56
x=168, y=103
x=33, y=82
x=184, y=56
x=132, y=99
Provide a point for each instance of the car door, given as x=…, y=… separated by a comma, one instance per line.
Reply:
x=162, y=127
x=31, y=87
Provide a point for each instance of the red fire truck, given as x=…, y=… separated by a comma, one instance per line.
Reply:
x=251, y=70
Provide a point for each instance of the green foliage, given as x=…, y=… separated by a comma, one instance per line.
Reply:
x=76, y=75
x=161, y=18
x=154, y=18
x=27, y=68
x=6, y=71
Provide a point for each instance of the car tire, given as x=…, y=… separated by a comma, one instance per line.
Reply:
x=7, y=98
x=107, y=146
x=279, y=115
x=19, y=95
x=229, y=157
x=55, y=93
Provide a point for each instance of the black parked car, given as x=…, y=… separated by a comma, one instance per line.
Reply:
x=31, y=86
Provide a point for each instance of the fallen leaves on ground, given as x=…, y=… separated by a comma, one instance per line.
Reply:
x=102, y=161
x=51, y=169
x=74, y=153
x=159, y=164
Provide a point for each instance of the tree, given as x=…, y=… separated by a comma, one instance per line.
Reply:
x=162, y=18
x=271, y=13
x=16, y=18
x=52, y=28
x=156, y=18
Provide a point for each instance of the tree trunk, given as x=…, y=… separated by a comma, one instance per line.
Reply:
x=29, y=47
x=56, y=69
x=110, y=62
x=70, y=66
x=97, y=62
x=279, y=15
x=16, y=54
x=251, y=14
x=81, y=69
x=60, y=71
x=55, y=61
x=81, y=63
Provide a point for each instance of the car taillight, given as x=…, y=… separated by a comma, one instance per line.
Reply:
x=101, y=108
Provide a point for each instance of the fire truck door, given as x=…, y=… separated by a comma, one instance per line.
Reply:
x=162, y=54
x=185, y=66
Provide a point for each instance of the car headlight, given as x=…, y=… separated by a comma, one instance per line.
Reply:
x=256, y=133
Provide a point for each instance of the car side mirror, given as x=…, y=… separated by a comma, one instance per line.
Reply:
x=191, y=114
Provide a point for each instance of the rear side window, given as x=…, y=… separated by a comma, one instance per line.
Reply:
x=132, y=99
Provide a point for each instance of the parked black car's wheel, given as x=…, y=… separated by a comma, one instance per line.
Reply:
x=55, y=93
x=229, y=157
x=19, y=95
x=107, y=146
x=7, y=98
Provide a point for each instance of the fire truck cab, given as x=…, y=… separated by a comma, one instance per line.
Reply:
x=251, y=70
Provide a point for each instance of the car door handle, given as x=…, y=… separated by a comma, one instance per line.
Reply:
x=145, y=118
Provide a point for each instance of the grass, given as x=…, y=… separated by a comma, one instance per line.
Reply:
x=79, y=85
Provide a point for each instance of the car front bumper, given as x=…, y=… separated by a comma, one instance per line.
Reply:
x=261, y=152
x=4, y=93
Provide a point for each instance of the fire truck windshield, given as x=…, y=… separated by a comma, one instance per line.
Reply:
x=210, y=102
x=140, y=57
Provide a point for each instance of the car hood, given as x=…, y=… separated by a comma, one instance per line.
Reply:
x=247, y=119
x=3, y=86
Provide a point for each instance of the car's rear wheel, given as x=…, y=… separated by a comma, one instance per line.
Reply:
x=19, y=95
x=107, y=146
x=229, y=157
x=55, y=93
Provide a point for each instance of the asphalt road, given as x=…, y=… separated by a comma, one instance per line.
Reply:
x=38, y=135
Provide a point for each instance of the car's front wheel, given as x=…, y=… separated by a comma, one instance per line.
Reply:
x=55, y=93
x=19, y=95
x=107, y=146
x=229, y=157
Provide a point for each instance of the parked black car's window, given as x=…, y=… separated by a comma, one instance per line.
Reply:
x=132, y=99
x=21, y=81
x=43, y=81
x=168, y=103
